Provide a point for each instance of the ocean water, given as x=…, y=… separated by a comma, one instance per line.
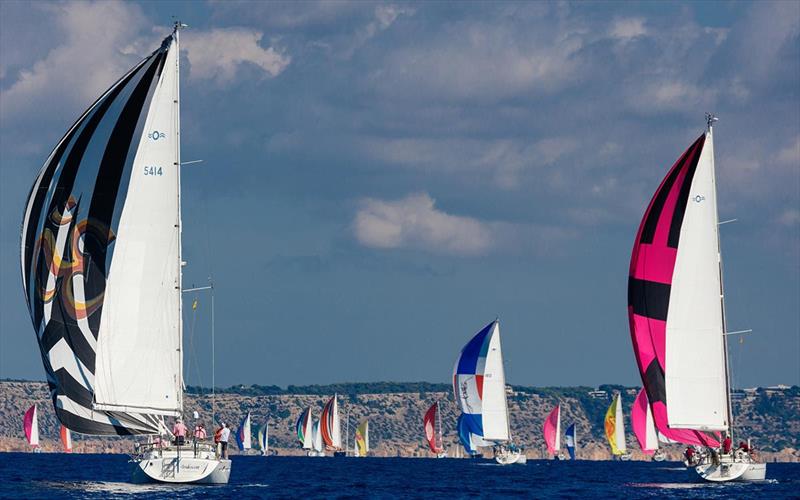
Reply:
x=50, y=475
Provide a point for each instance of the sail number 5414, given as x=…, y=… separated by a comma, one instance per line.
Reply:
x=150, y=170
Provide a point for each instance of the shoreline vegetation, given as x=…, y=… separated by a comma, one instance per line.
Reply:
x=770, y=416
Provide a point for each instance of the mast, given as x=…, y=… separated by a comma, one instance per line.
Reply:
x=178, y=224
x=347, y=430
x=710, y=119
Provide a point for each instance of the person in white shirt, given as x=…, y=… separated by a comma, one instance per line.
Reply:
x=223, y=439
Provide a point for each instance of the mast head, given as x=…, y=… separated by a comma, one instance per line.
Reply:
x=710, y=119
x=177, y=25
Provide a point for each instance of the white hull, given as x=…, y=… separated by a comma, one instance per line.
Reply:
x=181, y=465
x=313, y=453
x=507, y=457
x=729, y=470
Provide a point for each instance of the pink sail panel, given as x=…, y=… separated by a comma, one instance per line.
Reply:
x=551, y=430
x=429, y=421
x=31, y=426
x=649, y=284
x=639, y=423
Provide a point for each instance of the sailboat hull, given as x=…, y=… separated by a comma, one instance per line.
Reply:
x=728, y=470
x=184, y=465
x=508, y=457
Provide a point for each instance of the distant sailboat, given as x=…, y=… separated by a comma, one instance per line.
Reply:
x=101, y=260
x=304, y=427
x=615, y=429
x=479, y=384
x=432, y=424
x=552, y=432
x=571, y=441
x=676, y=310
x=243, y=434
x=643, y=427
x=30, y=424
x=66, y=439
x=361, y=447
x=262, y=439
x=330, y=425
x=316, y=441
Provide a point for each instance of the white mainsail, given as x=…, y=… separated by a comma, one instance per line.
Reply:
x=308, y=432
x=495, y=409
x=139, y=353
x=619, y=429
x=696, y=382
x=316, y=437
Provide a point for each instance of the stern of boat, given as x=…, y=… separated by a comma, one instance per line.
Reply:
x=185, y=464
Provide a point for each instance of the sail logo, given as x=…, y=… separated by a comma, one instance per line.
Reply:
x=156, y=135
x=698, y=198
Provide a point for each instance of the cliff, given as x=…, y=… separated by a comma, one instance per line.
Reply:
x=771, y=417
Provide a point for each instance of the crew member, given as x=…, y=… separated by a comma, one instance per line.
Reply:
x=179, y=430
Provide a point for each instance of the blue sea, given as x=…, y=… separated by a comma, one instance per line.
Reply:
x=28, y=475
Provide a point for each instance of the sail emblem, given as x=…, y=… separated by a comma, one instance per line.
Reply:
x=698, y=198
x=156, y=135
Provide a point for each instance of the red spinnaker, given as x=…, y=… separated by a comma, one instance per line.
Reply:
x=429, y=422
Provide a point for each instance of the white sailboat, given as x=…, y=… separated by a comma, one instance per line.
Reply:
x=677, y=307
x=317, y=449
x=479, y=384
x=101, y=268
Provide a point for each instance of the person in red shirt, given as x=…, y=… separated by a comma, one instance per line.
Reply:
x=726, y=445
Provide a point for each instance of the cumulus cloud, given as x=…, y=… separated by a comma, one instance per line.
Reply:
x=86, y=61
x=627, y=28
x=218, y=54
x=415, y=222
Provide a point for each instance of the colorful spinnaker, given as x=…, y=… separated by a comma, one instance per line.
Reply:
x=66, y=439
x=30, y=424
x=479, y=384
x=433, y=428
x=642, y=423
x=674, y=302
x=101, y=257
x=615, y=427
x=552, y=431
x=243, y=435
x=330, y=426
x=362, y=439
x=571, y=441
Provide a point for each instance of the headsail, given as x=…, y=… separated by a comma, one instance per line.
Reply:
x=94, y=220
x=262, y=439
x=429, y=423
x=673, y=275
x=552, y=431
x=316, y=437
x=362, y=439
x=615, y=427
x=30, y=425
x=479, y=384
x=571, y=441
x=642, y=423
x=330, y=426
x=66, y=439
x=244, y=434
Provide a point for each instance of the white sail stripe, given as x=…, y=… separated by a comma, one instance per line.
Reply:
x=29, y=206
x=83, y=322
x=70, y=406
x=133, y=410
x=61, y=356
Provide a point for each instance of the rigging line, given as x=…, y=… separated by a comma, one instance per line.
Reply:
x=192, y=351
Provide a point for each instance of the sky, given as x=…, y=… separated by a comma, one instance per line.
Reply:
x=381, y=180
